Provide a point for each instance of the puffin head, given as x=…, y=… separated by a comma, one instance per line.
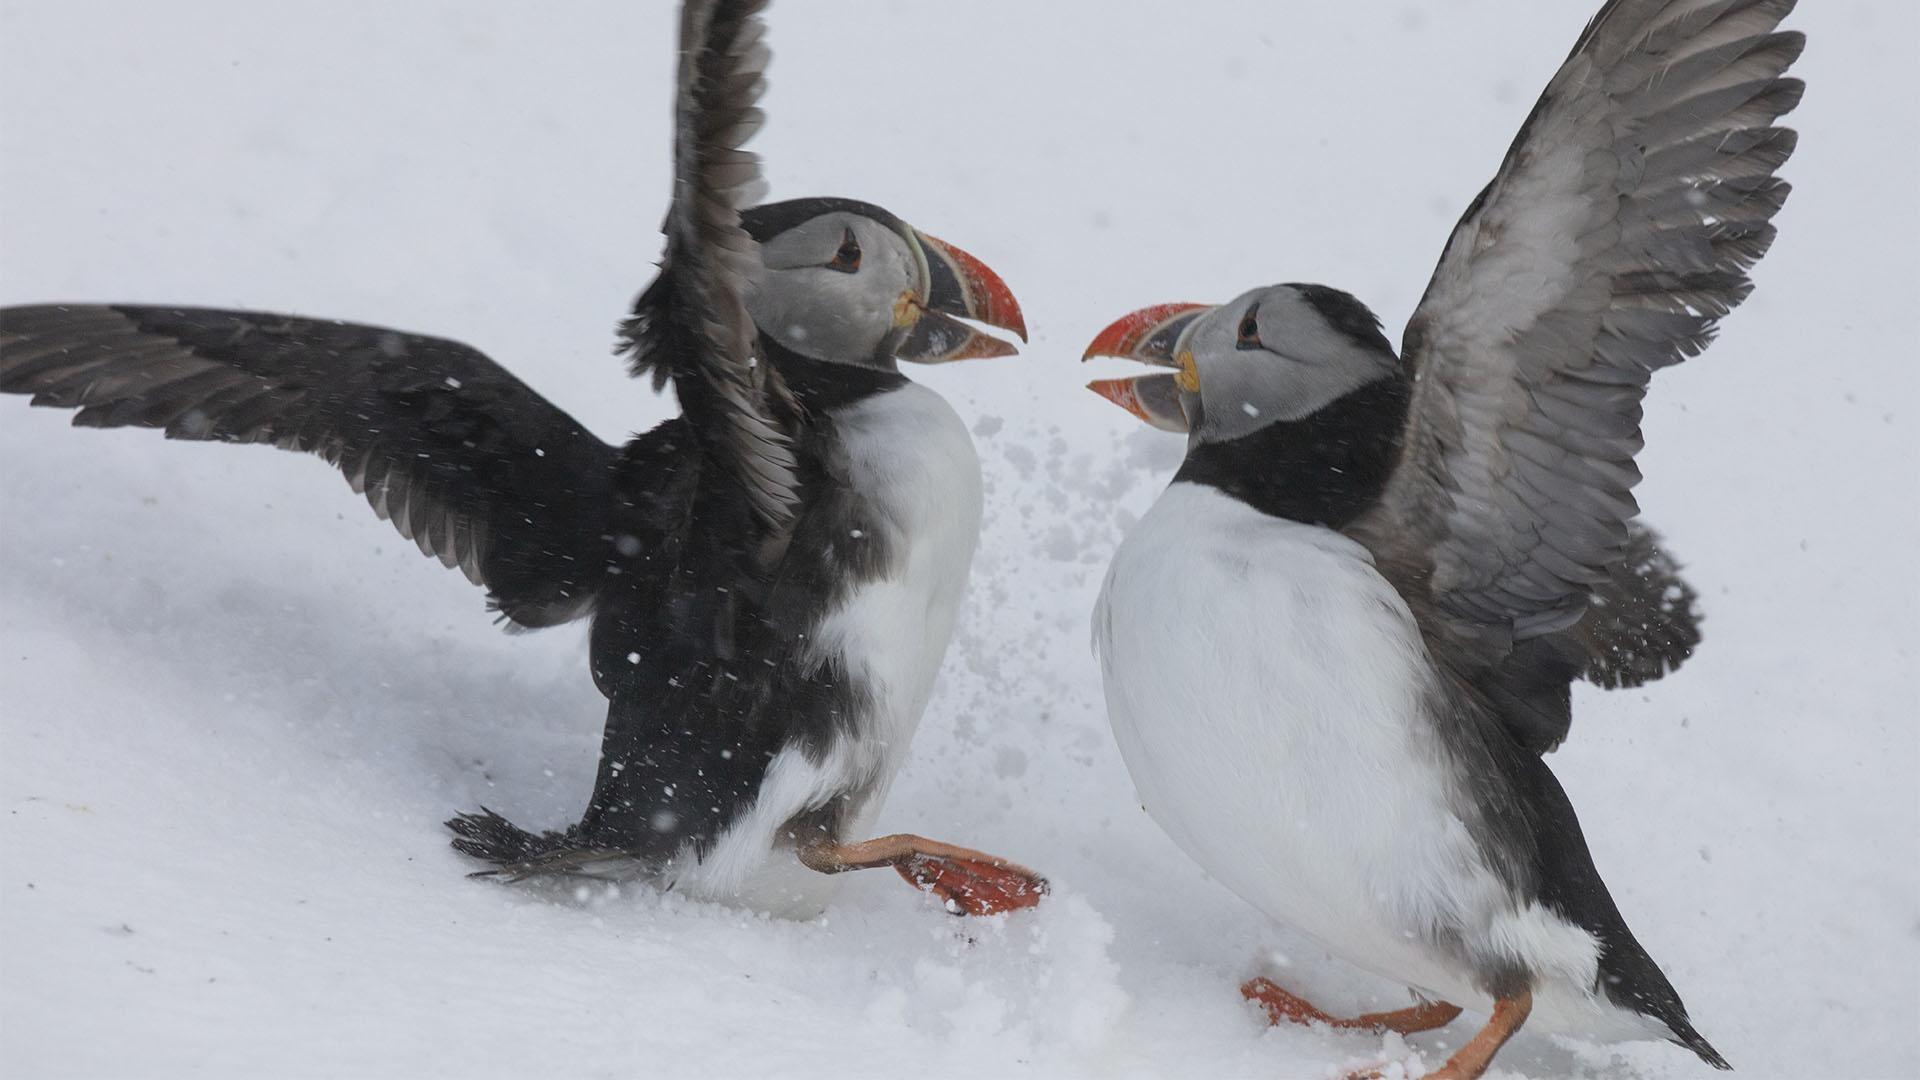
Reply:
x=847, y=282
x=1276, y=354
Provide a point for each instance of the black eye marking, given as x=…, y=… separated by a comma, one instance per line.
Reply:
x=847, y=259
x=1250, y=330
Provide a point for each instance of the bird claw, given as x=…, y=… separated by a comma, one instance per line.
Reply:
x=973, y=886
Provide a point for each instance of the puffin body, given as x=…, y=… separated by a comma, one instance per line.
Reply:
x=765, y=685
x=846, y=662
x=1274, y=701
x=912, y=463
x=772, y=577
x=1339, y=645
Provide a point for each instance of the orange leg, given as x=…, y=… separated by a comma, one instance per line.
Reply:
x=1283, y=1007
x=971, y=882
x=1472, y=1059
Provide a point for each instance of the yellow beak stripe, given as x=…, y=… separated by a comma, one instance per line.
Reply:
x=1189, y=376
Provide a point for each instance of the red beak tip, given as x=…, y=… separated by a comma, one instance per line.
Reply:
x=983, y=347
x=1120, y=392
x=1000, y=308
x=990, y=300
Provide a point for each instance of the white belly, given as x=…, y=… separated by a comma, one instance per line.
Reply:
x=909, y=454
x=1264, y=683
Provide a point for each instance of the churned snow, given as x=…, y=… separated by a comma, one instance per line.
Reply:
x=234, y=706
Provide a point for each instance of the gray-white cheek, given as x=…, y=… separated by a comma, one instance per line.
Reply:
x=831, y=326
x=1231, y=407
x=855, y=327
x=1241, y=398
x=776, y=320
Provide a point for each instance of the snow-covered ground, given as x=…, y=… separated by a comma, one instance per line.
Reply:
x=237, y=706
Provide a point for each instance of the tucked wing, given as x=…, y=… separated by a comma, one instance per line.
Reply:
x=465, y=460
x=692, y=323
x=1619, y=229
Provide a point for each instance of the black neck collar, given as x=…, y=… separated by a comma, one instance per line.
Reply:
x=1321, y=470
x=819, y=385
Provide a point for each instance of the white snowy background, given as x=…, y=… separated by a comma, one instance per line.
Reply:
x=236, y=706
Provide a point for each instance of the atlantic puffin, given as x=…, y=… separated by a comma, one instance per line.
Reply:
x=772, y=577
x=1338, y=645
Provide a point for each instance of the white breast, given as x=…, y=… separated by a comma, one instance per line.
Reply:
x=1265, y=686
x=912, y=459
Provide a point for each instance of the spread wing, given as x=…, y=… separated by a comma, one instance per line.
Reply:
x=1617, y=232
x=463, y=458
x=691, y=324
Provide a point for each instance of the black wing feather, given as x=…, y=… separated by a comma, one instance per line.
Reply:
x=465, y=460
x=691, y=324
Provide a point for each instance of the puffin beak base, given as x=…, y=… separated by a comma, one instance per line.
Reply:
x=906, y=310
x=958, y=285
x=1148, y=336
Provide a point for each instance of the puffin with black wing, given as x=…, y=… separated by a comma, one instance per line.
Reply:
x=1337, y=647
x=772, y=577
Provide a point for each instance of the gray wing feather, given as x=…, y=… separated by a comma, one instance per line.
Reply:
x=692, y=324
x=1618, y=231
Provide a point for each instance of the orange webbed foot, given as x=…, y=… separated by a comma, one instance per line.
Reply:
x=973, y=886
x=1283, y=1007
x=969, y=882
x=1470, y=1062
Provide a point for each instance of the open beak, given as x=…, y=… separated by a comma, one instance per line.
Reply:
x=1148, y=336
x=958, y=285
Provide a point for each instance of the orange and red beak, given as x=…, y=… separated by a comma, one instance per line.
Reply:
x=1149, y=336
x=959, y=285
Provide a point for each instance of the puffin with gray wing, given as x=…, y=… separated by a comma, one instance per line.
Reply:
x=1337, y=647
x=772, y=577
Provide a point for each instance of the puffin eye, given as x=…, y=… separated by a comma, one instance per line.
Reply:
x=847, y=259
x=1250, y=329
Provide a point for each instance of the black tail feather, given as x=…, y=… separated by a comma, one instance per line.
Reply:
x=1684, y=1035
x=1571, y=886
x=518, y=854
